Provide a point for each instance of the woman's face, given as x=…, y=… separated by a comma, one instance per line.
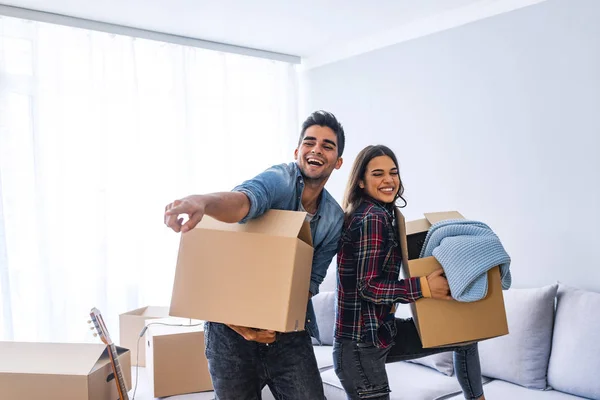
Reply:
x=381, y=180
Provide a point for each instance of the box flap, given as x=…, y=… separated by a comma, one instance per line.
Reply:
x=401, y=222
x=156, y=312
x=305, y=234
x=418, y=226
x=49, y=358
x=442, y=216
x=274, y=222
x=104, y=358
x=137, y=311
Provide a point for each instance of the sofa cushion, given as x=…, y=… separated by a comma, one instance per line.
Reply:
x=521, y=357
x=575, y=359
x=407, y=381
x=324, y=356
x=498, y=389
x=324, y=305
x=441, y=362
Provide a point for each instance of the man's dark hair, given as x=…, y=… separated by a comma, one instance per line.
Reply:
x=325, y=118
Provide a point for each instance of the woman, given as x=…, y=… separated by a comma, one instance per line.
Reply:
x=367, y=334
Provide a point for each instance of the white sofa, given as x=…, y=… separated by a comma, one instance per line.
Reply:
x=552, y=352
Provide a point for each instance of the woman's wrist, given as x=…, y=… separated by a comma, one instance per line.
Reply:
x=425, y=287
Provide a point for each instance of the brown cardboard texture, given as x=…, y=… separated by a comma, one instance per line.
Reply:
x=441, y=322
x=131, y=324
x=60, y=371
x=176, y=363
x=255, y=274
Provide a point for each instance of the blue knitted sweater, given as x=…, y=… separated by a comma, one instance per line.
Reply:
x=467, y=250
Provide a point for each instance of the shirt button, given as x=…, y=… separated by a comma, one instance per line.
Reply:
x=309, y=320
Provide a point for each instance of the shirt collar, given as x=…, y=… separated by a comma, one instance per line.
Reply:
x=300, y=181
x=388, y=207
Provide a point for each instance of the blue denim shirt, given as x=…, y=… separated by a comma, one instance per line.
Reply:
x=280, y=187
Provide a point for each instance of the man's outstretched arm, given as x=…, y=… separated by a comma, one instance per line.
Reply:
x=224, y=206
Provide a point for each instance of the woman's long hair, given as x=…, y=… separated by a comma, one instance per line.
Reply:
x=354, y=194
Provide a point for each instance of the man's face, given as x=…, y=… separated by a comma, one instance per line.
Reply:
x=317, y=154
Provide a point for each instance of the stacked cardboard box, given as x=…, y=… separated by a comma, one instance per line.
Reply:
x=59, y=371
x=131, y=324
x=176, y=363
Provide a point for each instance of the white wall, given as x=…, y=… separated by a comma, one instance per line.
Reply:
x=499, y=119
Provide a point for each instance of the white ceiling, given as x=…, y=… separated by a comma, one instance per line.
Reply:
x=308, y=28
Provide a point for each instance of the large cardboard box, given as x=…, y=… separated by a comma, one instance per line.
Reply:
x=255, y=274
x=60, y=371
x=176, y=363
x=442, y=322
x=131, y=324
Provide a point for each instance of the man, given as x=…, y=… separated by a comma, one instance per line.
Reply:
x=243, y=360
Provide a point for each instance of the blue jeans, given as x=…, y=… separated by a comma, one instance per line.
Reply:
x=361, y=366
x=240, y=369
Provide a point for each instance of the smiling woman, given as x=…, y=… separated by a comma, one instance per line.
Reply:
x=381, y=180
x=97, y=132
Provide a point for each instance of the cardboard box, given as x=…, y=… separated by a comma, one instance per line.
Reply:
x=176, y=363
x=60, y=371
x=442, y=322
x=255, y=274
x=131, y=324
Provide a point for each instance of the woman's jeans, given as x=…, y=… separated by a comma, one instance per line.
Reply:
x=361, y=367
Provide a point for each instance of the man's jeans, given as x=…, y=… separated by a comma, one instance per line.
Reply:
x=240, y=369
x=361, y=367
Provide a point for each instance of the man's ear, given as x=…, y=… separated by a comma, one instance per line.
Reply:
x=339, y=163
x=296, y=154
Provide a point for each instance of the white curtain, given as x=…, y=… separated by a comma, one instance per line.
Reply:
x=98, y=132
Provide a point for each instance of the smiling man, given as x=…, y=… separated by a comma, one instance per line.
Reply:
x=243, y=360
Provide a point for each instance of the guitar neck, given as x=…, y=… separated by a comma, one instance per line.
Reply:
x=114, y=360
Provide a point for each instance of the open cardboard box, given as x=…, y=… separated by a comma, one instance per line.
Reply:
x=60, y=371
x=255, y=274
x=131, y=324
x=441, y=322
x=176, y=363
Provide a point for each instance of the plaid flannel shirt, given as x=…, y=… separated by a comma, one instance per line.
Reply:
x=369, y=261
